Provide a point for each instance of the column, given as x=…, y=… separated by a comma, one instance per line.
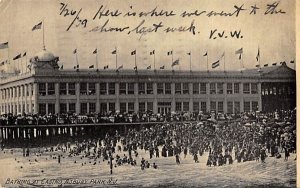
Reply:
x=155, y=98
x=191, y=97
x=17, y=99
x=136, y=98
x=208, y=97
x=260, y=97
x=25, y=98
x=242, y=97
x=97, y=98
x=117, y=87
x=35, y=96
x=14, y=110
x=77, y=92
x=173, y=97
x=57, y=96
x=225, y=97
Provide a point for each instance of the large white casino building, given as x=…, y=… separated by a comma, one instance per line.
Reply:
x=47, y=89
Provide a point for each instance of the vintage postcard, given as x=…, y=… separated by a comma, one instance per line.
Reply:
x=148, y=93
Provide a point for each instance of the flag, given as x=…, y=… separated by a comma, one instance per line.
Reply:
x=77, y=66
x=149, y=67
x=292, y=62
x=4, y=45
x=265, y=65
x=170, y=52
x=133, y=52
x=176, y=62
x=258, y=55
x=29, y=67
x=2, y=63
x=135, y=67
x=274, y=64
x=120, y=67
x=189, y=53
x=105, y=67
x=239, y=51
x=257, y=66
x=215, y=64
x=95, y=51
x=114, y=52
x=74, y=67
x=38, y=26
x=222, y=55
x=205, y=54
x=17, y=57
x=162, y=67
x=24, y=54
x=91, y=66
x=62, y=67
x=152, y=53
x=75, y=51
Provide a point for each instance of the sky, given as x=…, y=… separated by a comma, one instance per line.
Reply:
x=273, y=34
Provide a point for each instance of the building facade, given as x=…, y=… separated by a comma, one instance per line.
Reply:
x=46, y=89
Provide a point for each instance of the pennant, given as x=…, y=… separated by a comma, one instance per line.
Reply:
x=2, y=63
x=95, y=51
x=74, y=67
x=38, y=26
x=257, y=66
x=135, y=67
x=91, y=66
x=29, y=67
x=258, y=55
x=176, y=62
x=215, y=64
x=292, y=62
x=205, y=54
x=114, y=52
x=75, y=51
x=189, y=53
x=152, y=53
x=77, y=66
x=24, y=54
x=149, y=67
x=170, y=52
x=274, y=64
x=120, y=67
x=17, y=57
x=133, y=52
x=239, y=51
x=105, y=67
x=265, y=65
x=222, y=55
x=4, y=45
x=162, y=67
x=62, y=67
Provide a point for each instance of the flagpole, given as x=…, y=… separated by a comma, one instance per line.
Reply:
x=44, y=47
x=116, y=58
x=154, y=59
x=77, y=65
x=207, y=61
x=172, y=61
x=26, y=63
x=190, y=61
x=96, y=58
x=224, y=63
x=135, y=60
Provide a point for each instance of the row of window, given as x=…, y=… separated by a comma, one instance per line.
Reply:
x=147, y=88
x=16, y=92
x=217, y=106
x=19, y=108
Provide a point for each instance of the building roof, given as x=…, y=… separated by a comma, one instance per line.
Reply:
x=45, y=56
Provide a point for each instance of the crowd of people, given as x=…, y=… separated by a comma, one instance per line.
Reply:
x=242, y=139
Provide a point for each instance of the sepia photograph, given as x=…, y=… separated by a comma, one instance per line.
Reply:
x=148, y=93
